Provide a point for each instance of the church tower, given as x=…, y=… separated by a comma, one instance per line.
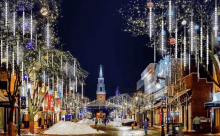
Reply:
x=100, y=92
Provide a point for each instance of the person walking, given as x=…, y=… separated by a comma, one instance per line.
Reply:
x=96, y=122
x=146, y=125
x=196, y=123
x=105, y=121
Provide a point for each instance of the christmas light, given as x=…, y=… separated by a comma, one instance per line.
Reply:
x=74, y=72
x=22, y=76
x=170, y=16
x=192, y=36
x=184, y=49
x=14, y=28
x=176, y=43
x=52, y=59
x=207, y=50
x=201, y=34
x=76, y=84
x=44, y=78
x=216, y=19
x=6, y=13
x=7, y=55
x=13, y=64
x=48, y=35
x=1, y=52
x=150, y=22
x=23, y=23
x=162, y=36
x=82, y=90
x=31, y=26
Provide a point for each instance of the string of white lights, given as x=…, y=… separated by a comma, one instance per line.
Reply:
x=176, y=42
x=57, y=84
x=150, y=22
x=31, y=26
x=1, y=51
x=184, y=42
x=34, y=78
x=22, y=76
x=170, y=23
x=44, y=79
x=47, y=58
x=82, y=90
x=6, y=13
x=74, y=72
x=76, y=84
x=61, y=65
x=52, y=59
x=207, y=49
x=48, y=35
x=192, y=36
x=23, y=22
x=201, y=40
x=216, y=18
x=14, y=26
x=162, y=36
x=13, y=63
x=7, y=55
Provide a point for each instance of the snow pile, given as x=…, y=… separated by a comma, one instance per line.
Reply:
x=127, y=120
x=71, y=128
x=117, y=122
x=86, y=121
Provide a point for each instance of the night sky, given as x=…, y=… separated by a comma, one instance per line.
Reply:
x=92, y=31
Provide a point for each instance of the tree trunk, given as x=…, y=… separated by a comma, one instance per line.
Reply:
x=10, y=123
x=31, y=124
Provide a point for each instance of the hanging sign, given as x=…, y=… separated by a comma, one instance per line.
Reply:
x=51, y=102
x=46, y=102
x=58, y=104
x=23, y=102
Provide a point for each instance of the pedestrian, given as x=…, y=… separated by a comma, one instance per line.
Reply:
x=146, y=125
x=132, y=125
x=96, y=121
x=196, y=123
x=105, y=121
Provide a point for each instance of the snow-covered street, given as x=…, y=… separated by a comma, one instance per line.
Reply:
x=71, y=128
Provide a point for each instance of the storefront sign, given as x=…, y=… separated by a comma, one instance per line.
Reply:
x=23, y=102
x=46, y=102
x=58, y=104
x=51, y=102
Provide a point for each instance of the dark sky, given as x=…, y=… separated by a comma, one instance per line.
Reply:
x=91, y=30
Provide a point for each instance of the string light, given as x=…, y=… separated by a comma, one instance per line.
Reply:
x=31, y=26
x=176, y=43
x=74, y=68
x=22, y=76
x=23, y=22
x=162, y=35
x=14, y=28
x=201, y=33
x=184, y=49
x=48, y=35
x=44, y=78
x=191, y=36
x=13, y=64
x=207, y=50
x=1, y=51
x=7, y=55
x=76, y=84
x=17, y=52
x=150, y=22
x=6, y=13
x=170, y=16
x=82, y=90
x=216, y=18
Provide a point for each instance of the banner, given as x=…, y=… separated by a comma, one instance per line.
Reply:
x=46, y=102
x=58, y=104
x=51, y=103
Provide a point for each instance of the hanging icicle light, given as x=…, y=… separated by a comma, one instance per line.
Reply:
x=162, y=36
x=150, y=22
x=176, y=43
x=6, y=13
x=66, y=68
x=184, y=42
x=52, y=59
x=170, y=28
x=31, y=26
x=76, y=84
x=82, y=90
x=14, y=26
x=13, y=63
x=57, y=84
x=61, y=65
x=7, y=55
x=48, y=35
x=192, y=40
x=201, y=40
x=74, y=72
x=216, y=19
x=207, y=50
x=44, y=78
x=22, y=76
x=1, y=51
x=34, y=78
x=47, y=58
x=23, y=22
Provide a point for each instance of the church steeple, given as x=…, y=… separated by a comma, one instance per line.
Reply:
x=100, y=92
x=100, y=72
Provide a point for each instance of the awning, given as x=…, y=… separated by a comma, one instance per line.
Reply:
x=212, y=104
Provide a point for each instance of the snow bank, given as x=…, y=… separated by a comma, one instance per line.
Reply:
x=86, y=121
x=127, y=120
x=71, y=128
